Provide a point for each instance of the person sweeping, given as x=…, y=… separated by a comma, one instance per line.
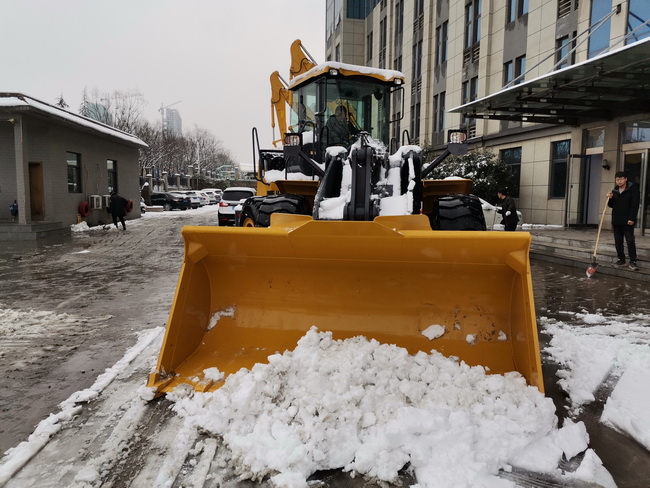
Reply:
x=624, y=201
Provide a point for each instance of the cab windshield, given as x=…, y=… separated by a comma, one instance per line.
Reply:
x=344, y=108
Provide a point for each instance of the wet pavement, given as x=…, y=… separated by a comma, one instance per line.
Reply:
x=120, y=283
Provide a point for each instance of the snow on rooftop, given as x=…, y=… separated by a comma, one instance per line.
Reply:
x=386, y=74
x=20, y=100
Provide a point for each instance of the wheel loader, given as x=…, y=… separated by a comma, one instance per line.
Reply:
x=347, y=234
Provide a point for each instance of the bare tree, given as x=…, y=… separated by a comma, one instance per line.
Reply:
x=120, y=109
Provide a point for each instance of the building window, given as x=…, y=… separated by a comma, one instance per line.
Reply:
x=337, y=53
x=594, y=137
x=472, y=23
x=469, y=94
x=397, y=64
x=520, y=69
x=369, y=48
x=417, y=61
x=111, y=171
x=399, y=25
x=559, y=164
x=599, y=28
x=439, y=112
x=637, y=16
x=508, y=73
x=74, y=172
x=415, y=121
x=564, y=54
x=512, y=157
x=382, y=43
x=636, y=132
x=516, y=9
x=441, y=43
x=419, y=8
x=513, y=71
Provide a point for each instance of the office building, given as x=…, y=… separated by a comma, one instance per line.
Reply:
x=558, y=89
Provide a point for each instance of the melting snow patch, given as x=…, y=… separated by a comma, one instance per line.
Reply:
x=434, y=331
x=226, y=312
x=628, y=406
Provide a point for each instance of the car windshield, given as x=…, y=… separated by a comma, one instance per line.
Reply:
x=236, y=195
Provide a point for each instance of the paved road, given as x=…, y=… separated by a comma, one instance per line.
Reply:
x=116, y=283
x=113, y=284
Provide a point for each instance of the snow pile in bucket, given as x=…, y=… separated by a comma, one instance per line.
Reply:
x=373, y=409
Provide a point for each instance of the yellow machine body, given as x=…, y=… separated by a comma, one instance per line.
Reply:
x=246, y=293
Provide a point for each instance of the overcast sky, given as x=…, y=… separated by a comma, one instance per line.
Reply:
x=214, y=56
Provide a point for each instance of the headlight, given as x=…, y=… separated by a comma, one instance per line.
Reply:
x=292, y=140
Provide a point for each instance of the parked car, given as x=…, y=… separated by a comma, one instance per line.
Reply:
x=205, y=199
x=212, y=196
x=492, y=217
x=230, y=199
x=171, y=200
x=195, y=201
x=217, y=192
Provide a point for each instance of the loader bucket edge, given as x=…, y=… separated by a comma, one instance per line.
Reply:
x=246, y=293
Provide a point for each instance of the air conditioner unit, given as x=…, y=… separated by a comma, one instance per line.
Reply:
x=106, y=201
x=95, y=202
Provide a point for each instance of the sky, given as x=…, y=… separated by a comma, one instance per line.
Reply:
x=213, y=57
x=361, y=405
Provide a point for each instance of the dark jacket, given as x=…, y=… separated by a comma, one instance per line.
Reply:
x=508, y=205
x=118, y=205
x=625, y=204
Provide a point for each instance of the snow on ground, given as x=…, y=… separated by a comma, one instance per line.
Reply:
x=593, y=349
x=372, y=408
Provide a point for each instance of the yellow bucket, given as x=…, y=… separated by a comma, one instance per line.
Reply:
x=246, y=293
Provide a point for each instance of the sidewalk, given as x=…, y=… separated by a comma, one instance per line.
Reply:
x=575, y=247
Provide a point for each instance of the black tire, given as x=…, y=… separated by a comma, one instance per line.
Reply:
x=458, y=212
x=167, y=207
x=259, y=209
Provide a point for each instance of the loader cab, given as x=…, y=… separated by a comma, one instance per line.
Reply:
x=321, y=95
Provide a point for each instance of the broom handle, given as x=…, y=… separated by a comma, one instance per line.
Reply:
x=600, y=226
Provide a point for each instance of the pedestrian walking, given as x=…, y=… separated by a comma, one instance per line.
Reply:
x=624, y=201
x=13, y=209
x=508, y=209
x=118, y=206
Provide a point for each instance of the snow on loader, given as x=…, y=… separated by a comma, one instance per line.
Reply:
x=349, y=239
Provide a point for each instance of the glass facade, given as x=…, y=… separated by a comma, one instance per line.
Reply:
x=636, y=132
x=559, y=166
x=359, y=9
x=600, y=33
x=637, y=16
x=512, y=157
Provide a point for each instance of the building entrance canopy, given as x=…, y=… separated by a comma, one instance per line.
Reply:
x=610, y=85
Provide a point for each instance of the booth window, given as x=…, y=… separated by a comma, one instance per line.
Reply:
x=74, y=172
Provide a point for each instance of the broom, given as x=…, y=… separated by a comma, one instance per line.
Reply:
x=591, y=269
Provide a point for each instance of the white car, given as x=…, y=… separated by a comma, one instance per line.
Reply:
x=195, y=201
x=493, y=218
x=217, y=192
x=230, y=199
x=205, y=200
x=212, y=196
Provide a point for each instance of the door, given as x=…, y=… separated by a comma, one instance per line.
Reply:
x=635, y=165
x=592, y=197
x=36, y=195
x=583, y=203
